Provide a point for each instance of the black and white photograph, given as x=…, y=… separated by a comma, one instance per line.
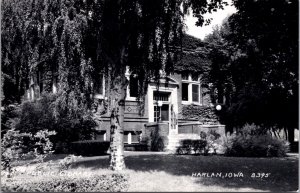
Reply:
x=149, y=95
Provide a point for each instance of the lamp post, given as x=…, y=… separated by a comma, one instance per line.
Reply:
x=218, y=107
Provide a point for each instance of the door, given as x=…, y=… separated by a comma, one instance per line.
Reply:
x=165, y=112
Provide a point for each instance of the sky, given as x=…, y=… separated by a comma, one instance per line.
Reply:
x=218, y=17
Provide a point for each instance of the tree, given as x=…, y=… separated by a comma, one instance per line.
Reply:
x=140, y=35
x=76, y=40
x=260, y=46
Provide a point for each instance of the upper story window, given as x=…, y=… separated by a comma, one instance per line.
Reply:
x=195, y=93
x=190, y=89
x=133, y=85
x=99, y=87
x=185, y=91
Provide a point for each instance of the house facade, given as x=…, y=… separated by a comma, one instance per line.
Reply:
x=162, y=110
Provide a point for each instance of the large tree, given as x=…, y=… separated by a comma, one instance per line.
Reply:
x=257, y=50
x=139, y=35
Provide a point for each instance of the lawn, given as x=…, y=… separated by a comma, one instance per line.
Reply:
x=165, y=172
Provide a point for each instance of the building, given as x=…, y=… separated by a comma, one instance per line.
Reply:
x=180, y=107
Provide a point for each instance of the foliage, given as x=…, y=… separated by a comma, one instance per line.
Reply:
x=254, y=58
x=72, y=41
x=136, y=147
x=193, y=56
x=9, y=117
x=95, y=183
x=16, y=146
x=204, y=114
x=90, y=147
x=67, y=162
x=209, y=142
x=249, y=143
x=214, y=141
x=156, y=139
x=192, y=61
x=159, y=143
x=189, y=146
x=43, y=114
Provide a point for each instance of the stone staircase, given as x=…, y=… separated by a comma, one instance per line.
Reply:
x=174, y=141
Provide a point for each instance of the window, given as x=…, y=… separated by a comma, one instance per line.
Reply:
x=161, y=96
x=131, y=137
x=133, y=86
x=135, y=137
x=161, y=113
x=185, y=91
x=156, y=113
x=101, y=136
x=195, y=92
x=190, y=89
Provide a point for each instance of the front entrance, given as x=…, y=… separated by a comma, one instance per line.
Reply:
x=163, y=107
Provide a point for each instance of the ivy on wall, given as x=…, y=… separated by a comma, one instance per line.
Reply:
x=193, y=56
x=204, y=114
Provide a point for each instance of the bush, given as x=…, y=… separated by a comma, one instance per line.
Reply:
x=95, y=183
x=189, y=146
x=68, y=161
x=44, y=113
x=250, y=142
x=9, y=117
x=159, y=143
x=136, y=147
x=209, y=142
x=16, y=146
x=90, y=147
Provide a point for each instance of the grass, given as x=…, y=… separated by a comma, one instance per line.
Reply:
x=165, y=172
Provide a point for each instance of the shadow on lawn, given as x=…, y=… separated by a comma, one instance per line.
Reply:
x=283, y=172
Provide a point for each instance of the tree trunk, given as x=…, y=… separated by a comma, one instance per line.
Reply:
x=117, y=104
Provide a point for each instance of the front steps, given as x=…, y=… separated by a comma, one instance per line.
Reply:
x=174, y=141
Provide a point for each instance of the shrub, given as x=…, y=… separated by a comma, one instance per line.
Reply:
x=95, y=183
x=16, y=146
x=159, y=143
x=44, y=113
x=90, y=147
x=249, y=142
x=136, y=147
x=67, y=162
x=9, y=117
x=189, y=146
x=209, y=142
